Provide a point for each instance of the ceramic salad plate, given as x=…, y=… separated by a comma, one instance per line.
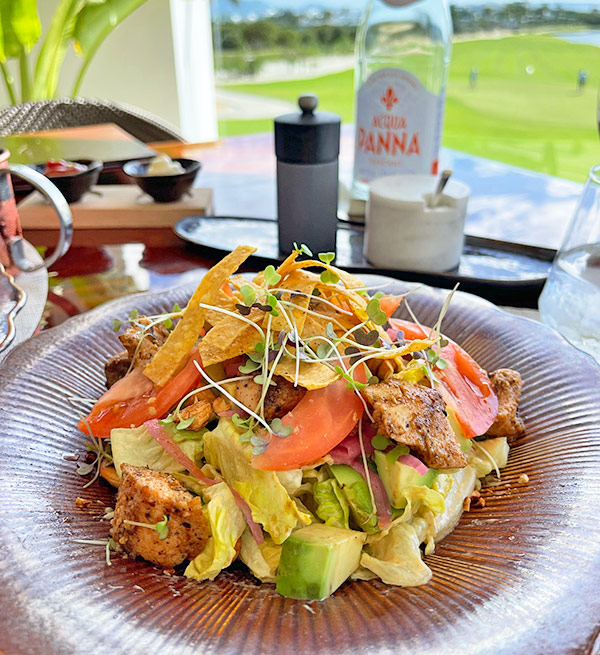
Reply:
x=518, y=576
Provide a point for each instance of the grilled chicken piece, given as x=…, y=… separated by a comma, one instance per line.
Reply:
x=145, y=496
x=507, y=385
x=279, y=400
x=282, y=399
x=116, y=368
x=200, y=411
x=151, y=340
x=415, y=416
x=248, y=393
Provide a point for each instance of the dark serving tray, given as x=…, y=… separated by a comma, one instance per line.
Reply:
x=505, y=273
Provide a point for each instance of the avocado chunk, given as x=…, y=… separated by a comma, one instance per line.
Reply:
x=356, y=491
x=396, y=476
x=316, y=560
x=497, y=449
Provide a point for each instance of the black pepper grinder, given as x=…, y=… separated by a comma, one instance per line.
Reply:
x=307, y=146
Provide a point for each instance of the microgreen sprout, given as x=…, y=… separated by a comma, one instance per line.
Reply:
x=248, y=294
x=352, y=383
x=185, y=423
x=375, y=313
x=116, y=324
x=303, y=249
x=279, y=429
x=102, y=452
x=326, y=257
x=176, y=309
x=161, y=527
x=134, y=315
x=272, y=277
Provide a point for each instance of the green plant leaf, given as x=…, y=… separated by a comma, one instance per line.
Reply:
x=20, y=27
x=95, y=22
x=54, y=48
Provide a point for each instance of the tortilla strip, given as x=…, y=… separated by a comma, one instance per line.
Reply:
x=301, y=281
x=173, y=353
x=311, y=375
x=350, y=281
x=229, y=338
x=223, y=301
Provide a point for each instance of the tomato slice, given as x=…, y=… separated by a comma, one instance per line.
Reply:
x=389, y=304
x=134, y=400
x=465, y=386
x=321, y=420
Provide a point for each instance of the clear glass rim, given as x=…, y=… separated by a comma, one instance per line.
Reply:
x=595, y=174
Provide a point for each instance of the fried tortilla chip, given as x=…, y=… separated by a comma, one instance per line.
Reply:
x=173, y=353
x=229, y=338
x=223, y=301
x=304, y=283
x=311, y=375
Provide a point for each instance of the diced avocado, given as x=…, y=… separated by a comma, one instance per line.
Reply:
x=396, y=476
x=498, y=448
x=488, y=452
x=316, y=560
x=465, y=444
x=356, y=491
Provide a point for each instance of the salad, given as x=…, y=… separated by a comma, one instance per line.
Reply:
x=289, y=421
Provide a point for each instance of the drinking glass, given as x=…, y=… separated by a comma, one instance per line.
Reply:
x=570, y=301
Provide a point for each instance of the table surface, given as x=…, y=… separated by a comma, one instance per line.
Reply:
x=506, y=203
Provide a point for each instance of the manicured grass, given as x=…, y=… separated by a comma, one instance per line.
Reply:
x=535, y=120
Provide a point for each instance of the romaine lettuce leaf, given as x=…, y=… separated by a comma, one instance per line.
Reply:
x=332, y=506
x=396, y=558
x=227, y=523
x=262, y=560
x=136, y=446
x=269, y=502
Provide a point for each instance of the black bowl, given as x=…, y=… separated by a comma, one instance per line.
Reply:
x=163, y=188
x=74, y=185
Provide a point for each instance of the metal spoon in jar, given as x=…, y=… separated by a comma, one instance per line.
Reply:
x=437, y=194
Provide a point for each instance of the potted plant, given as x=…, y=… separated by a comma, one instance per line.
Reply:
x=83, y=23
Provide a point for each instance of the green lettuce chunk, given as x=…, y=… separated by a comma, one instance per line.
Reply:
x=262, y=560
x=269, y=502
x=227, y=523
x=332, y=506
x=137, y=446
x=396, y=558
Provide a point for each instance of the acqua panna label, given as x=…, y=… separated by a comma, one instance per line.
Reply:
x=398, y=126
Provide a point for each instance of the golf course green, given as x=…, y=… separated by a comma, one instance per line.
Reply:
x=525, y=109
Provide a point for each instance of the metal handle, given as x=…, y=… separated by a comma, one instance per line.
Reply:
x=61, y=206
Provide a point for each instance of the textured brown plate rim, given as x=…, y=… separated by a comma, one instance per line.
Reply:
x=519, y=576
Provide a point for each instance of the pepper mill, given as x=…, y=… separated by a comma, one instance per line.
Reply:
x=307, y=146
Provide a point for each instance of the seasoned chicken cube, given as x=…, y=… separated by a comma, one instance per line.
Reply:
x=116, y=368
x=144, y=497
x=507, y=385
x=415, y=416
x=248, y=393
x=151, y=340
x=282, y=398
x=279, y=400
x=200, y=411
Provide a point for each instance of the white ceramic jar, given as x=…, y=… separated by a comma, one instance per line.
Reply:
x=404, y=232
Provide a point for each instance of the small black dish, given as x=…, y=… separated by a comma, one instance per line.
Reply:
x=73, y=186
x=163, y=188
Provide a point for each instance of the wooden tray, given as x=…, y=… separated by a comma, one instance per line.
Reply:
x=118, y=206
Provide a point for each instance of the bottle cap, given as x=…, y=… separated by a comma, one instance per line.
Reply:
x=309, y=137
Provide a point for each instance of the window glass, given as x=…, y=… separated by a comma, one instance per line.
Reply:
x=522, y=89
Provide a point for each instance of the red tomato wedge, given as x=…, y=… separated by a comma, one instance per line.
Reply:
x=466, y=387
x=389, y=304
x=321, y=420
x=134, y=400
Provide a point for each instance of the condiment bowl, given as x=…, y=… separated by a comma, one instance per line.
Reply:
x=163, y=188
x=74, y=185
